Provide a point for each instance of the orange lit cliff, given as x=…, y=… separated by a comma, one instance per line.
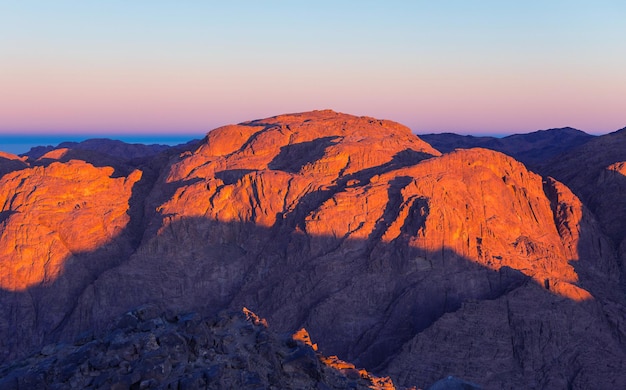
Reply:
x=394, y=257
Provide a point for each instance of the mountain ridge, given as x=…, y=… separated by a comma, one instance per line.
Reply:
x=530, y=148
x=353, y=228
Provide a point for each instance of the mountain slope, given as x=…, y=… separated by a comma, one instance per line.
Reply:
x=148, y=350
x=596, y=173
x=10, y=162
x=367, y=236
x=531, y=149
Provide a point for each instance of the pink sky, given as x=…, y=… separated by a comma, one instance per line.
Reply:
x=500, y=69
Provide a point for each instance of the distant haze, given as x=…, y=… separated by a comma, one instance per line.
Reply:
x=188, y=67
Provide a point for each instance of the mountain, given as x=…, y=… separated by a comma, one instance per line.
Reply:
x=531, y=149
x=148, y=350
x=10, y=162
x=113, y=148
x=403, y=260
x=596, y=172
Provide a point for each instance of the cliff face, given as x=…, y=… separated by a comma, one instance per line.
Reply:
x=392, y=255
x=596, y=173
x=10, y=162
x=62, y=226
x=53, y=213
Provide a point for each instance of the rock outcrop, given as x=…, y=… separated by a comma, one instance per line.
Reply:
x=62, y=226
x=393, y=256
x=10, y=162
x=148, y=350
x=595, y=172
x=54, y=213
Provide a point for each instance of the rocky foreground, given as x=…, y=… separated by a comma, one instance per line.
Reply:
x=148, y=350
x=400, y=259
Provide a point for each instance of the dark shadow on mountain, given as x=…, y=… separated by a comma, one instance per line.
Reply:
x=292, y=158
x=601, y=189
x=314, y=199
x=586, y=170
x=293, y=284
x=404, y=158
x=8, y=165
x=418, y=212
x=408, y=157
x=52, y=307
x=362, y=300
x=263, y=128
x=392, y=209
x=37, y=151
x=232, y=176
x=4, y=215
x=608, y=202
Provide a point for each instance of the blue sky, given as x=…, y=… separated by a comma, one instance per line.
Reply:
x=189, y=66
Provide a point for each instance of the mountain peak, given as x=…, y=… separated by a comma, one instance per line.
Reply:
x=393, y=256
x=325, y=143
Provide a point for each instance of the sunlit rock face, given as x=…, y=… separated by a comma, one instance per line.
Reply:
x=61, y=226
x=390, y=254
x=54, y=213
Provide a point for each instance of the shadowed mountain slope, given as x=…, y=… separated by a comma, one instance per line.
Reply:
x=596, y=172
x=10, y=162
x=393, y=256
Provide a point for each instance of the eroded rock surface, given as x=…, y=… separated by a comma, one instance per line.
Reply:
x=595, y=172
x=10, y=162
x=61, y=225
x=393, y=256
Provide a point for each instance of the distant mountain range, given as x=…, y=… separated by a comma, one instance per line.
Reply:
x=113, y=148
x=499, y=262
x=531, y=149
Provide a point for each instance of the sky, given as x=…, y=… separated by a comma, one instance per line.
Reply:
x=186, y=67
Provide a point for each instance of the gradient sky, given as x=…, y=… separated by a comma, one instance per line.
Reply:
x=190, y=66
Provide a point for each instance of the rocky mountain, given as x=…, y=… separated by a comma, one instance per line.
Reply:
x=148, y=350
x=392, y=255
x=10, y=162
x=113, y=148
x=596, y=172
x=531, y=148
